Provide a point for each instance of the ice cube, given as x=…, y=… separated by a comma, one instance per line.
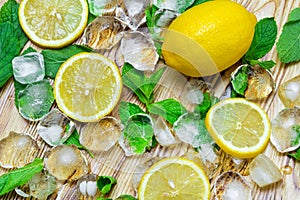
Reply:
x=29, y=68
x=102, y=135
x=177, y=5
x=163, y=133
x=66, y=162
x=53, y=126
x=132, y=12
x=17, y=150
x=289, y=92
x=102, y=33
x=189, y=128
x=263, y=171
x=42, y=185
x=232, y=186
x=36, y=100
x=102, y=7
x=138, y=49
x=284, y=135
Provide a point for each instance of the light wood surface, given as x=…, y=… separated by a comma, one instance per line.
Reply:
x=116, y=164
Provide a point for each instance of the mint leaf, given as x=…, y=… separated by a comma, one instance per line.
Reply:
x=53, y=58
x=10, y=47
x=288, y=45
x=169, y=109
x=74, y=140
x=295, y=154
x=139, y=133
x=150, y=82
x=9, y=13
x=19, y=177
x=240, y=80
x=127, y=110
x=296, y=141
x=28, y=50
x=207, y=103
x=263, y=39
x=268, y=64
x=133, y=79
x=126, y=197
x=150, y=17
x=105, y=183
x=12, y=38
x=141, y=85
x=294, y=15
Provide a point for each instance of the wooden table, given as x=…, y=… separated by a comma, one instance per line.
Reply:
x=114, y=162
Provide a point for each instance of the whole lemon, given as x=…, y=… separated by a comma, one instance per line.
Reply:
x=208, y=38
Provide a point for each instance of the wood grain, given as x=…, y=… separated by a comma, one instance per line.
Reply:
x=173, y=84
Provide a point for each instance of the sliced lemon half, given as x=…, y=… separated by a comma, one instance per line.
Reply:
x=240, y=127
x=53, y=24
x=87, y=87
x=174, y=179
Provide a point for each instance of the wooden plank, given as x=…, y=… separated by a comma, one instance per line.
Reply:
x=116, y=164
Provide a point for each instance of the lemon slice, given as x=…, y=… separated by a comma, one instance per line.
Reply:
x=53, y=24
x=176, y=179
x=240, y=127
x=87, y=87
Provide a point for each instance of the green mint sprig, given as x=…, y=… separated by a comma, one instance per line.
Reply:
x=105, y=184
x=169, y=109
x=12, y=39
x=141, y=85
x=263, y=41
x=288, y=45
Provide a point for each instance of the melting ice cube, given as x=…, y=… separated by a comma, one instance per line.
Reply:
x=53, y=126
x=132, y=12
x=177, y=5
x=102, y=135
x=232, y=186
x=189, y=128
x=102, y=7
x=163, y=133
x=284, y=135
x=138, y=49
x=289, y=92
x=36, y=100
x=42, y=185
x=102, y=33
x=29, y=68
x=263, y=171
x=66, y=162
x=17, y=150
